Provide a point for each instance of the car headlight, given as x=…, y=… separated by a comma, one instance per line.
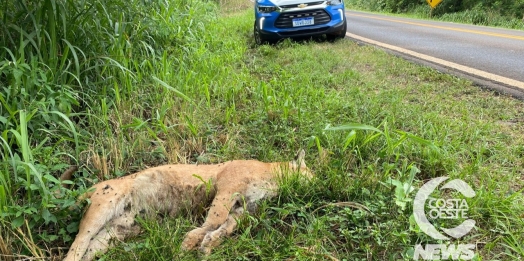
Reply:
x=334, y=2
x=266, y=9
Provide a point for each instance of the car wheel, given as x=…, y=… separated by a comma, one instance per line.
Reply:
x=259, y=40
x=338, y=35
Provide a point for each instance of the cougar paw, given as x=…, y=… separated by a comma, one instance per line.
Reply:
x=193, y=239
x=211, y=240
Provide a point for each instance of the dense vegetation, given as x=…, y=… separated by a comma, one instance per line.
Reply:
x=506, y=13
x=70, y=77
x=117, y=86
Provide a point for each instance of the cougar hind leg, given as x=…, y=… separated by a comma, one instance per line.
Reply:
x=109, y=203
x=119, y=228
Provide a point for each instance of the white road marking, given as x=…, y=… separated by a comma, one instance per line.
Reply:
x=462, y=68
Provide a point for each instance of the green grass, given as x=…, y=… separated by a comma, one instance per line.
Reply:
x=292, y=92
x=218, y=97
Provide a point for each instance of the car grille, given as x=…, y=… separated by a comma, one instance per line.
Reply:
x=285, y=20
x=297, y=5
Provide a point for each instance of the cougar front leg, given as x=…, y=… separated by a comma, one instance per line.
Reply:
x=217, y=215
x=214, y=238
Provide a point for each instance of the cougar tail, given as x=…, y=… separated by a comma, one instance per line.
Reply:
x=68, y=175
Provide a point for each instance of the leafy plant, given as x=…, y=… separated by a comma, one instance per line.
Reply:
x=403, y=189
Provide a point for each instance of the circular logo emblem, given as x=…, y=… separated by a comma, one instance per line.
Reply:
x=443, y=208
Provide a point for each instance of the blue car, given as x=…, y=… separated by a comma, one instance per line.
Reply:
x=277, y=19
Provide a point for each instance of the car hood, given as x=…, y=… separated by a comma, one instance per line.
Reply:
x=290, y=2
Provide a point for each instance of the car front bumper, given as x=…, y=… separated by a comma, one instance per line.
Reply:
x=269, y=32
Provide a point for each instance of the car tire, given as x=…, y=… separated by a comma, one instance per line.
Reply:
x=338, y=35
x=259, y=40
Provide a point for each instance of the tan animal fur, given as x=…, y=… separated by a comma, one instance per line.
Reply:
x=233, y=187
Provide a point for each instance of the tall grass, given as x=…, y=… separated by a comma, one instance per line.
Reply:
x=66, y=66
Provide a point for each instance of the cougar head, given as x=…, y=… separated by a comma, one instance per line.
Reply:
x=299, y=164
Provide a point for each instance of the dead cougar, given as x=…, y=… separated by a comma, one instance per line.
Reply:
x=232, y=188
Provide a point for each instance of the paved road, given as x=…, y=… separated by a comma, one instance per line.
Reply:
x=491, y=55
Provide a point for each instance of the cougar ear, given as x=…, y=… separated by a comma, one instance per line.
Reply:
x=299, y=161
